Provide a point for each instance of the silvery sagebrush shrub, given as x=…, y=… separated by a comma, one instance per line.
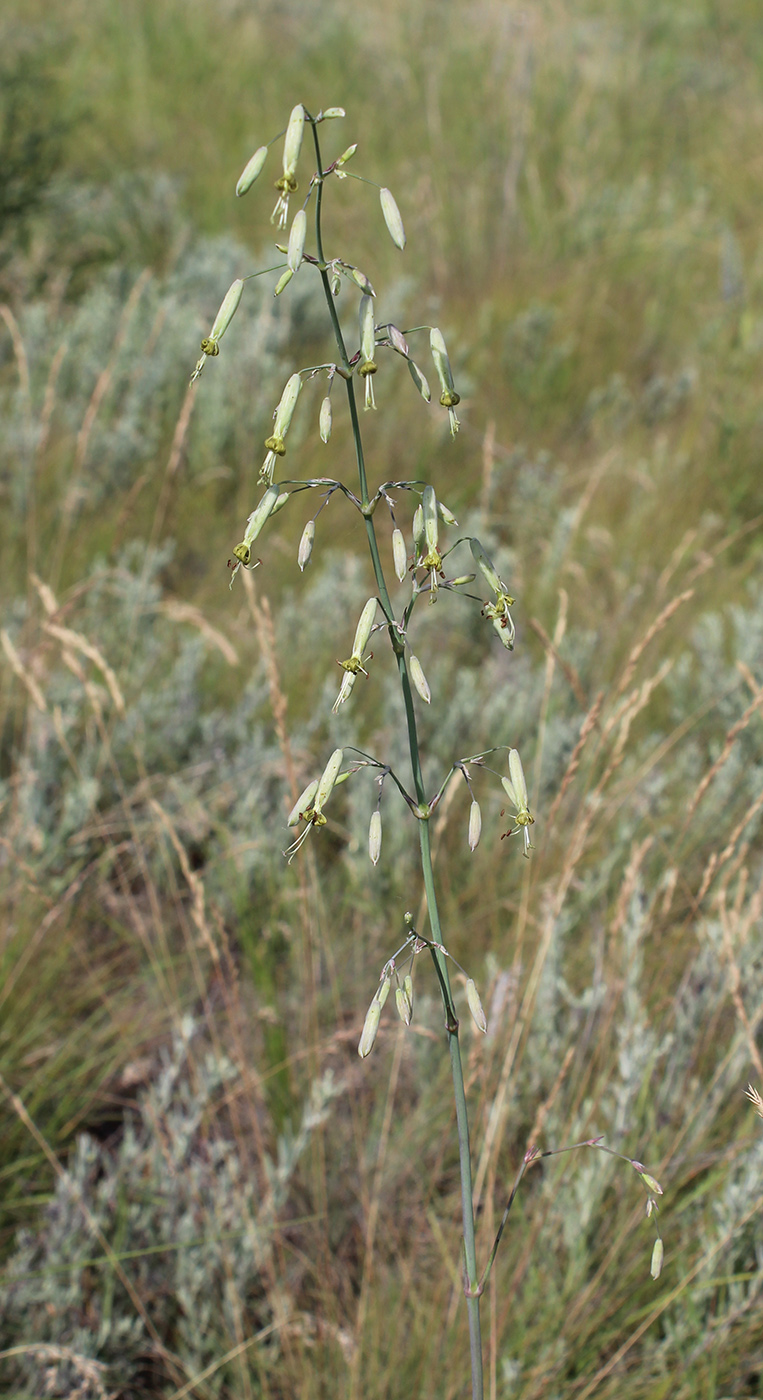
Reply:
x=178, y=1201
x=412, y=536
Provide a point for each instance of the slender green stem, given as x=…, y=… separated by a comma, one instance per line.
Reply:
x=398, y=645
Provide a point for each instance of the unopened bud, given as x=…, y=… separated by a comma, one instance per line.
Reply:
x=293, y=142
x=418, y=529
x=331, y=112
x=303, y=803
x=403, y=1005
x=475, y=1006
x=449, y=398
x=658, y=1254
x=280, y=502
x=651, y=1184
x=475, y=826
x=392, y=218
x=446, y=515
x=283, y=281
x=399, y=554
x=360, y=280
x=297, y=237
x=348, y=154
x=286, y=406
x=420, y=680
x=327, y=779
x=370, y=1027
x=382, y=991
x=462, y=579
x=325, y=420
x=408, y=988
x=375, y=836
x=306, y=545
x=397, y=340
x=420, y=381
x=251, y=170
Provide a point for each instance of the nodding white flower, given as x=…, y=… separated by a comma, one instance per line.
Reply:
x=287, y=183
x=392, y=218
x=498, y=612
x=515, y=788
x=399, y=554
x=375, y=836
x=306, y=545
x=211, y=343
x=367, y=367
x=251, y=170
x=309, y=807
x=448, y=397
x=475, y=825
x=354, y=663
x=297, y=235
x=420, y=680
x=283, y=416
x=475, y=1006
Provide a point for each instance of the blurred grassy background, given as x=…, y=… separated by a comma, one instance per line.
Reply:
x=179, y=1009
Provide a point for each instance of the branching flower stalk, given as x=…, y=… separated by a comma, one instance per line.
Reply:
x=424, y=569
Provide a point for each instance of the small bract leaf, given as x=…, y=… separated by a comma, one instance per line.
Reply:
x=392, y=218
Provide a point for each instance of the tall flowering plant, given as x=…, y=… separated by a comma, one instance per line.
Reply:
x=423, y=567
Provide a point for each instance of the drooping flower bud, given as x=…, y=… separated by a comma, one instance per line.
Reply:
x=475, y=1006
x=303, y=804
x=344, y=157
x=359, y=278
x=403, y=1005
x=306, y=545
x=283, y=281
x=211, y=343
x=260, y=514
x=325, y=420
x=370, y=1027
x=331, y=112
x=408, y=988
x=418, y=529
x=251, y=170
x=475, y=825
x=375, y=836
x=280, y=502
x=420, y=680
x=658, y=1254
x=382, y=991
x=486, y=566
x=392, y=218
x=420, y=381
x=446, y=515
x=448, y=397
x=297, y=237
x=397, y=340
x=399, y=554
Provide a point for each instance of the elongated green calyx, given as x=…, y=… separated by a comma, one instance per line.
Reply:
x=448, y=396
x=404, y=1009
x=420, y=382
x=658, y=1254
x=515, y=788
x=257, y=519
x=367, y=366
x=284, y=413
x=353, y=666
x=297, y=237
x=251, y=170
x=486, y=566
x=475, y=1006
x=327, y=780
x=303, y=804
x=287, y=183
x=211, y=343
x=418, y=529
x=392, y=218
x=498, y=612
x=429, y=507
